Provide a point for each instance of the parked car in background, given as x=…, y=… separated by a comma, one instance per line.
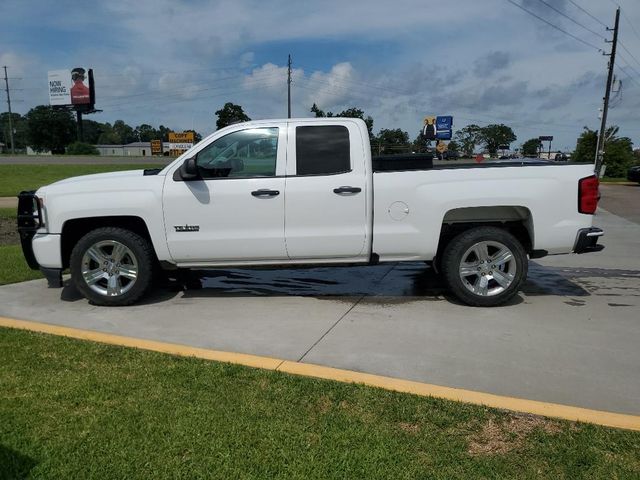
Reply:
x=633, y=174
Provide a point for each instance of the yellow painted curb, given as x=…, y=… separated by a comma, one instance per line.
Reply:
x=554, y=410
x=171, y=348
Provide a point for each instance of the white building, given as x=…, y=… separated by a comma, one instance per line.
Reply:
x=134, y=149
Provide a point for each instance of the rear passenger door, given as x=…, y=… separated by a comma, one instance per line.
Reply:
x=326, y=197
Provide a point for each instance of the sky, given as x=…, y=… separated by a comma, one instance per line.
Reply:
x=175, y=62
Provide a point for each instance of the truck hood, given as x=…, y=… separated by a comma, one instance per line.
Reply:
x=100, y=182
x=99, y=177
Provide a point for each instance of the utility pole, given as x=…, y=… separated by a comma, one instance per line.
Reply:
x=605, y=108
x=289, y=87
x=6, y=87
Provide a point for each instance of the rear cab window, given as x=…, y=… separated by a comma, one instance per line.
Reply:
x=322, y=150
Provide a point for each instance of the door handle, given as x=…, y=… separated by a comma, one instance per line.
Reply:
x=264, y=192
x=347, y=190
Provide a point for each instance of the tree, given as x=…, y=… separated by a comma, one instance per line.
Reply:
x=146, y=133
x=50, y=129
x=91, y=131
x=123, y=132
x=618, y=151
x=492, y=136
x=531, y=147
x=196, y=136
x=319, y=113
x=585, y=146
x=453, y=146
x=421, y=144
x=19, y=124
x=391, y=140
x=107, y=135
x=467, y=138
x=164, y=133
x=81, y=148
x=352, y=112
x=230, y=114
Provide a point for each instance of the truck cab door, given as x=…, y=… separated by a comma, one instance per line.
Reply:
x=234, y=210
x=327, y=214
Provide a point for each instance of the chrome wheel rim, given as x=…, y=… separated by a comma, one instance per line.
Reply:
x=109, y=268
x=487, y=268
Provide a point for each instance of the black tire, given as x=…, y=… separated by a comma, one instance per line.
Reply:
x=480, y=288
x=138, y=254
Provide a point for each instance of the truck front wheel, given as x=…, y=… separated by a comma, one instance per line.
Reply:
x=112, y=266
x=484, y=266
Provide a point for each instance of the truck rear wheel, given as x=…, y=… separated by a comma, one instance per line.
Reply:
x=112, y=266
x=484, y=266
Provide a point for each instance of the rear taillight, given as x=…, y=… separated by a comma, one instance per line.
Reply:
x=588, y=195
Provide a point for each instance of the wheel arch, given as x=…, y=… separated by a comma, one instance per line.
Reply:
x=74, y=229
x=515, y=219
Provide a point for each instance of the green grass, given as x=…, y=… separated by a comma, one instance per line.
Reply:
x=13, y=266
x=15, y=178
x=74, y=409
x=614, y=180
x=8, y=213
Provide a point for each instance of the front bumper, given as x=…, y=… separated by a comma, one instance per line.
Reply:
x=587, y=240
x=30, y=220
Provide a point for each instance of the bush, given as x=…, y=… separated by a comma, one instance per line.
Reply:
x=81, y=148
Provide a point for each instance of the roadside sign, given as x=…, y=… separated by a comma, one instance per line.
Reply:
x=479, y=158
x=444, y=122
x=180, y=142
x=156, y=147
x=548, y=138
x=181, y=137
x=444, y=134
x=442, y=147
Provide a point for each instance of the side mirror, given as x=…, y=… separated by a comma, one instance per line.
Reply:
x=189, y=169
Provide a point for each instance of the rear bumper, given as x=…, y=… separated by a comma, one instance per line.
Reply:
x=587, y=240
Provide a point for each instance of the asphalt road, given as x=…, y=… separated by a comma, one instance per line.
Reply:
x=622, y=199
x=570, y=337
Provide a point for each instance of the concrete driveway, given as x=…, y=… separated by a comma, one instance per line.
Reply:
x=570, y=337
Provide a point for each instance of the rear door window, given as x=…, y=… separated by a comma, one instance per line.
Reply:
x=322, y=150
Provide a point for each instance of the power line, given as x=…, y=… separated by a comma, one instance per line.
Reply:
x=571, y=19
x=589, y=14
x=630, y=77
x=250, y=84
x=512, y=2
x=628, y=64
x=162, y=95
x=630, y=24
x=627, y=50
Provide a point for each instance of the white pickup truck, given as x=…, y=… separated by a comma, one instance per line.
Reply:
x=307, y=191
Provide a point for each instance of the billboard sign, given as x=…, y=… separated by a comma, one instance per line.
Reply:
x=443, y=134
x=180, y=142
x=429, y=128
x=546, y=138
x=444, y=122
x=70, y=87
